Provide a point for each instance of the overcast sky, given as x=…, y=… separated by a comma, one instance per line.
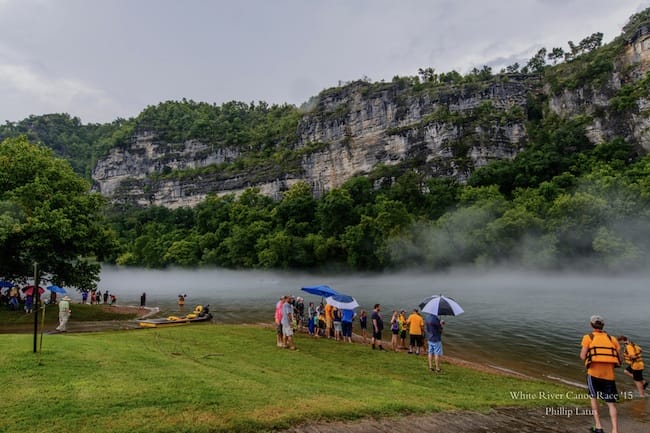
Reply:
x=100, y=60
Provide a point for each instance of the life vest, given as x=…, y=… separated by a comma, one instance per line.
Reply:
x=633, y=357
x=602, y=349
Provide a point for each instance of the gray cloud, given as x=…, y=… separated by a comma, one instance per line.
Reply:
x=102, y=60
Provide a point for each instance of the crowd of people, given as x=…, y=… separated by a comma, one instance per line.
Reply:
x=327, y=321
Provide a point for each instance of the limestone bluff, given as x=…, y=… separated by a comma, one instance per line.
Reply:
x=446, y=131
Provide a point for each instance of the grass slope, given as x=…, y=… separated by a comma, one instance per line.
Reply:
x=209, y=378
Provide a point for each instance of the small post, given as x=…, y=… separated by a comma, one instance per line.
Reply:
x=37, y=298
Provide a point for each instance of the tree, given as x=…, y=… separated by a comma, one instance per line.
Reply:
x=49, y=216
x=537, y=62
x=556, y=55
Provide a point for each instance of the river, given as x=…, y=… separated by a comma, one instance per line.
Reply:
x=527, y=322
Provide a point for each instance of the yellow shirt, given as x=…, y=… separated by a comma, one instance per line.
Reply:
x=601, y=370
x=416, y=324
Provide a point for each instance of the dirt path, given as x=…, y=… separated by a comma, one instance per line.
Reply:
x=503, y=420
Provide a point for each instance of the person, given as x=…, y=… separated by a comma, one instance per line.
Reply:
x=346, y=324
x=363, y=325
x=434, y=341
x=113, y=299
x=287, y=323
x=181, y=302
x=143, y=299
x=29, y=304
x=337, y=316
x=416, y=331
x=601, y=354
x=299, y=307
x=311, y=315
x=632, y=355
x=64, y=314
x=377, y=327
x=394, y=330
x=278, y=321
x=402, y=329
x=84, y=296
x=329, y=320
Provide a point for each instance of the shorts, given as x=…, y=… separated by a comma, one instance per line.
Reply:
x=337, y=326
x=416, y=340
x=402, y=335
x=376, y=335
x=328, y=323
x=347, y=329
x=395, y=331
x=435, y=348
x=603, y=389
x=637, y=375
x=287, y=331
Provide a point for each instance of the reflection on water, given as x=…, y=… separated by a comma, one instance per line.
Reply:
x=530, y=323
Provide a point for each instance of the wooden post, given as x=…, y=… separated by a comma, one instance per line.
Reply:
x=37, y=297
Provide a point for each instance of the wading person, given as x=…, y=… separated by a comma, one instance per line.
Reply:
x=601, y=354
x=64, y=314
x=377, y=327
x=434, y=341
x=632, y=355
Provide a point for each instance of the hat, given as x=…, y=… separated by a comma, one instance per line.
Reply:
x=66, y=298
x=596, y=320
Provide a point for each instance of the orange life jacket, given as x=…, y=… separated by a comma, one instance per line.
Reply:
x=632, y=356
x=602, y=349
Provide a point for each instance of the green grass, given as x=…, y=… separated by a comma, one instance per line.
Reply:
x=80, y=313
x=218, y=378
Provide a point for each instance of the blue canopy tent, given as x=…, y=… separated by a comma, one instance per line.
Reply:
x=322, y=291
x=4, y=283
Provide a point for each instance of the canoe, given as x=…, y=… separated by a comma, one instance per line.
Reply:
x=200, y=314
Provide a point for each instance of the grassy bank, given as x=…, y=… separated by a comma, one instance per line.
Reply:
x=80, y=313
x=214, y=378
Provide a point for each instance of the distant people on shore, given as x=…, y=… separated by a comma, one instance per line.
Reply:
x=84, y=296
x=64, y=314
x=287, y=323
x=415, y=325
x=434, y=327
x=143, y=299
x=377, y=327
x=363, y=326
x=394, y=330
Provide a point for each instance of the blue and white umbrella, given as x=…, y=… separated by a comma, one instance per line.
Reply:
x=343, y=302
x=441, y=306
x=4, y=283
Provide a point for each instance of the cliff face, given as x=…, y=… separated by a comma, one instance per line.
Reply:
x=442, y=131
x=356, y=128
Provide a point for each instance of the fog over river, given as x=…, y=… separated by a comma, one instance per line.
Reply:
x=529, y=322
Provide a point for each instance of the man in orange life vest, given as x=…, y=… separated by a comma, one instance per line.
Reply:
x=601, y=354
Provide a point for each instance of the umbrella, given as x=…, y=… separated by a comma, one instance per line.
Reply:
x=441, y=306
x=343, y=302
x=29, y=290
x=323, y=291
x=4, y=283
x=56, y=289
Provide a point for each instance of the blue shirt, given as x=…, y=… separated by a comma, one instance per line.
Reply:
x=434, y=328
x=348, y=315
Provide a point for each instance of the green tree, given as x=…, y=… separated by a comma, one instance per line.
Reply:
x=49, y=216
